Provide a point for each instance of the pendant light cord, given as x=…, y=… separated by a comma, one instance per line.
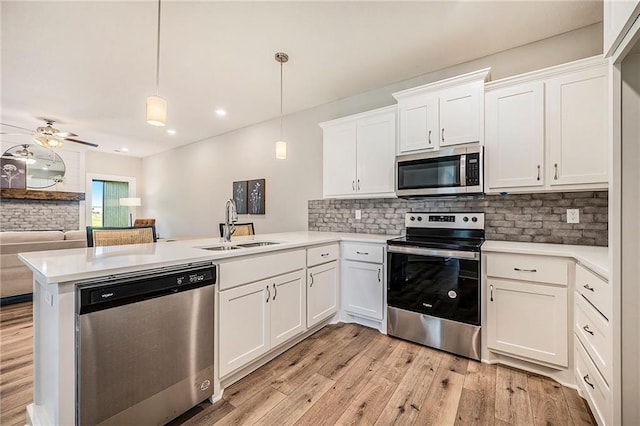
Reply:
x=281, y=101
x=158, y=53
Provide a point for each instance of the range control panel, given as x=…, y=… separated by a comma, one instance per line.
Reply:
x=445, y=220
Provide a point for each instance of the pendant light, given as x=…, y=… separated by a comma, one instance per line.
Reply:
x=157, y=106
x=281, y=145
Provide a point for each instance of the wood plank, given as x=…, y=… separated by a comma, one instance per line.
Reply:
x=28, y=194
x=407, y=400
x=549, y=411
x=366, y=407
x=441, y=404
x=512, y=397
x=396, y=365
x=477, y=402
x=254, y=408
x=454, y=363
x=301, y=400
x=335, y=367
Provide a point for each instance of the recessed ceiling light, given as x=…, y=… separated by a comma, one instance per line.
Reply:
x=221, y=112
x=171, y=132
x=124, y=149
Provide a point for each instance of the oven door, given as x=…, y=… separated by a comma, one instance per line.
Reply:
x=440, y=283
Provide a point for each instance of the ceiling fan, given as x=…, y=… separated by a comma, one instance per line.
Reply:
x=48, y=136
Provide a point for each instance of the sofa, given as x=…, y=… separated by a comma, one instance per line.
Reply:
x=16, y=280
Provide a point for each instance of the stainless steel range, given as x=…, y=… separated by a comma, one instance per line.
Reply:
x=433, y=286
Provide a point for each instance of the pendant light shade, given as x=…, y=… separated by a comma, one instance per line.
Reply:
x=156, y=111
x=157, y=106
x=281, y=145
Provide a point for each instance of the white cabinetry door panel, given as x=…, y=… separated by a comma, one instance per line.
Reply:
x=322, y=292
x=594, y=332
x=460, y=110
x=363, y=289
x=419, y=124
x=244, y=325
x=376, y=154
x=515, y=136
x=577, y=112
x=339, y=153
x=528, y=320
x=288, y=311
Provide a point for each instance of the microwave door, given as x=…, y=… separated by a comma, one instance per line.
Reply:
x=443, y=175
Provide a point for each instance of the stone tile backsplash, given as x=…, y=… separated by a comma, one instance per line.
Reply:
x=36, y=215
x=538, y=218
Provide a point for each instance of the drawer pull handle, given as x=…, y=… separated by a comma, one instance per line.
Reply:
x=586, y=328
x=311, y=276
x=358, y=185
x=538, y=178
x=491, y=292
x=555, y=175
x=586, y=380
x=443, y=135
x=379, y=272
x=525, y=270
x=324, y=254
x=275, y=291
x=353, y=185
x=364, y=253
x=268, y=293
x=429, y=137
x=588, y=287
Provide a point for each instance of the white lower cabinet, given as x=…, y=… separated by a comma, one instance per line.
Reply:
x=257, y=317
x=528, y=320
x=322, y=292
x=592, y=385
x=363, y=289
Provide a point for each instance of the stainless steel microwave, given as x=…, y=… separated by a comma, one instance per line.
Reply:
x=447, y=171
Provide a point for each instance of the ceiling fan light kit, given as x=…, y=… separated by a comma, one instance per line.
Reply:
x=157, y=106
x=281, y=145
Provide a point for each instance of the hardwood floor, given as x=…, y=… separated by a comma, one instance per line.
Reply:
x=343, y=374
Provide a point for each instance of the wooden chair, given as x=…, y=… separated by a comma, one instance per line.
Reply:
x=144, y=222
x=242, y=229
x=115, y=236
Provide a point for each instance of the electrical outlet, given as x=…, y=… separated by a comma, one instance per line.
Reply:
x=358, y=214
x=573, y=216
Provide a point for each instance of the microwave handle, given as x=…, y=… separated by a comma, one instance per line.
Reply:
x=463, y=170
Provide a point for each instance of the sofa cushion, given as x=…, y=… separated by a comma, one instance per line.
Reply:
x=10, y=237
x=75, y=235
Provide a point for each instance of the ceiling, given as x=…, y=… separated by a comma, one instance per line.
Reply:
x=90, y=65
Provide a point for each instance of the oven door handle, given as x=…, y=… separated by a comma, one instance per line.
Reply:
x=421, y=251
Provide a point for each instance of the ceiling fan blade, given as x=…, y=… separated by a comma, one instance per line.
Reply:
x=82, y=142
x=17, y=127
x=16, y=134
x=65, y=134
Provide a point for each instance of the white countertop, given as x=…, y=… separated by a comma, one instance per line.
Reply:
x=57, y=266
x=594, y=258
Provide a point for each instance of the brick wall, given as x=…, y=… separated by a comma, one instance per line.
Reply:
x=539, y=218
x=37, y=215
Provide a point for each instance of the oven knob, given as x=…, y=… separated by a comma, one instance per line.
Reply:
x=466, y=219
x=419, y=218
x=412, y=218
x=474, y=219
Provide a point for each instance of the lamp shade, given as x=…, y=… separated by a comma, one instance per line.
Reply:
x=130, y=202
x=156, y=111
x=281, y=150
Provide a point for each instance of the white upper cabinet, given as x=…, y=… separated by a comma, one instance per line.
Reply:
x=444, y=113
x=515, y=136
x=577, y=105
x=619, y=15
x=547, y=130
x=359, y=155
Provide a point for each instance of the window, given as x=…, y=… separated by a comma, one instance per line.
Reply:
x=105, y=203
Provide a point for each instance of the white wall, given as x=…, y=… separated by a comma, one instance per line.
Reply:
x=185, y=188
x=115, y=164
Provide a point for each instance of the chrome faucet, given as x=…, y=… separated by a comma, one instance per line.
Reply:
x=230, y=217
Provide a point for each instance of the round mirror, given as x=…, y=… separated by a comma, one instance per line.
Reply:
x=32, y=165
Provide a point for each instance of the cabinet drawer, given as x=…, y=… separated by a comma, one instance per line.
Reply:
x=322, y=254
x=594, y=332
x=363, y=252
x=243, y=271
x=593, y=385
x=542, y=269
x=594, y=289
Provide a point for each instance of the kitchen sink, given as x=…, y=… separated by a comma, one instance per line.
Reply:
x=221, y=248
x=258, y=244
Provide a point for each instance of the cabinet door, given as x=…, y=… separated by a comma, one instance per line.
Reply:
x=528, y=320
x=322, y=292
x=288, y=308
x=339, y=159
x=418, y=124
x=363, y=289
x=376, y=144
x=461, y=112
x=244, y=325
x=578, y=142
x=515, y=136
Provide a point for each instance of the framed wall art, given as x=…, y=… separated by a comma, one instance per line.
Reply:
x=240, y=196
x=256, y=196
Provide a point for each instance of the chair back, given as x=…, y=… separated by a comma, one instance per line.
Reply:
x=115, y=236
x=144, y=222
x=242, y=229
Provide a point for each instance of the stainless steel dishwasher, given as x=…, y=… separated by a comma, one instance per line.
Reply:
x=144, y=345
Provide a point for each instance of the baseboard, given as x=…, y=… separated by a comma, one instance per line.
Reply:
x=10, y=300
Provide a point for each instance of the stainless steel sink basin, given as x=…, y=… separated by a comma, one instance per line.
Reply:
x=258, y=244
x=221, y=248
